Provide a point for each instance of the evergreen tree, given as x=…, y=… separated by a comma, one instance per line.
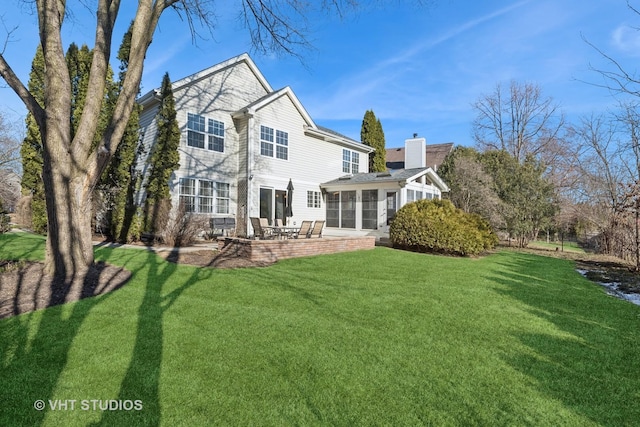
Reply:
x=371, y=134
x=119, y=181
x=528, y=197
x=31, y=152
x=79, y=65
x=163, y=162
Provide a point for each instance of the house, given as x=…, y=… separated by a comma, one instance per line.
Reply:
x=435, y=155
x=368, y=201
x=248, y=150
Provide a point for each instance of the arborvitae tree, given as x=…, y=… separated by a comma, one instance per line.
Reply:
x=120, y=180
x=371, y=134
x=164, y=161
x=31, y=154
x=79, y=65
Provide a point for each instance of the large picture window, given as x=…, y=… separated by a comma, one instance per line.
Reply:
x=204, y=196
x=197, y=134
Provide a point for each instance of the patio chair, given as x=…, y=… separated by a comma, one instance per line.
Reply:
x=259, y=230
x=267, y=230
x=316, y=231
x=305, y=228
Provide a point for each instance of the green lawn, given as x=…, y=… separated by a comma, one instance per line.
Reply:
x=567, y=246
x=378, y=337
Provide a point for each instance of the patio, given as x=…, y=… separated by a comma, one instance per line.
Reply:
x=269, y=251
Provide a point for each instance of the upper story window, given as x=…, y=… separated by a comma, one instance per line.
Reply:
x=350, y=161
x=274, y=142
x=196, y=133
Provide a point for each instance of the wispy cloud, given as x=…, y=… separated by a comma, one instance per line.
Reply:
x=376, y=81
x=418, y=48
x=627, y=40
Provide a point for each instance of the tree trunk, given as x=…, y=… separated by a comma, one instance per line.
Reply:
x=69, y=251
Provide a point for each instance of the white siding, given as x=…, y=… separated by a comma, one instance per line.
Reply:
x=311, y=161
x=148, y=130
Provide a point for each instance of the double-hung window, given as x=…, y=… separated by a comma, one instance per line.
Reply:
x=274, y=143
x=216, y=136
x=197, y=133
x=188, y=194
x=222, y=198
x=195, y=130
x=266, y=141
x=350, y=161
x=282, y=145
x=313, y=199
x=204, y=196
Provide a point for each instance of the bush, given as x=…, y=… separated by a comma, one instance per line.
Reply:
x=438, y=226
x=183, y=228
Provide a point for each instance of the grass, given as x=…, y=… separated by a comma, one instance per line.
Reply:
x=567, y=246
x=379, y=337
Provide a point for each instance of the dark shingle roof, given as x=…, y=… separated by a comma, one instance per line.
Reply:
x=390, y=176
x=435, y=155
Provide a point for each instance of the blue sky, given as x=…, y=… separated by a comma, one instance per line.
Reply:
x=419, y=68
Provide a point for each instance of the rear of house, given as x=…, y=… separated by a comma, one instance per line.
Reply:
x=247, y=150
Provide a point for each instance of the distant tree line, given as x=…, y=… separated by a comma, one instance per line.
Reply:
x=531, y=173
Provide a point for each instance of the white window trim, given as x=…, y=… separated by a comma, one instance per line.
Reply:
x=314, y=199
x=214, y=198
x=275, y=144
x=208, y=133
x=350, y=161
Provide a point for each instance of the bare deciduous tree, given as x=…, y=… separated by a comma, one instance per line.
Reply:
x=521, y=122
x=72, y=166
x=9, y=163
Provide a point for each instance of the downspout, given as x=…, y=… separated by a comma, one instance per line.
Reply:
x=249, y=166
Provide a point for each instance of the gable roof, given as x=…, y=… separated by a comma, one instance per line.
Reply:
x=193, y=78
x=273, y=96
x=310, y=127
x=401, y=177
x=436, y=154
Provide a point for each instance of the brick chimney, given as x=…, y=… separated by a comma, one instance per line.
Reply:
x=415, y=152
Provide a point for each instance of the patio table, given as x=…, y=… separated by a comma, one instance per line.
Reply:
x=284, y=232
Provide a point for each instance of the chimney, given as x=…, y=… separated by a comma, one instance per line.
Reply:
x=415, y=152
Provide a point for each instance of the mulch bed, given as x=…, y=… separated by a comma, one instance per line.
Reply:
x=24, y=287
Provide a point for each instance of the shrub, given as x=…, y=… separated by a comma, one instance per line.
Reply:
x=438, y=226
x=183, y=228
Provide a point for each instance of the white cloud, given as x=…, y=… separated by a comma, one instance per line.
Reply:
x=627, y=40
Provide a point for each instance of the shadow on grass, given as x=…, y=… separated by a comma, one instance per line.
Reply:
x=34, y=350
x=35, y=347
x=588, y=358
x=142, y=378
